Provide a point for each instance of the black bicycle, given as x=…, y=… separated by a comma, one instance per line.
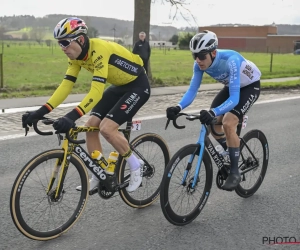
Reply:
x=188, y=176
x=44, y=202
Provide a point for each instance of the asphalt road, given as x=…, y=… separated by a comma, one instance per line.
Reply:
x=227, y=221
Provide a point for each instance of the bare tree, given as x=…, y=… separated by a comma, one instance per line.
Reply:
x=37, y=34
x=93, y=32
x=142, y=9
x=181, y=9
x=2, y=31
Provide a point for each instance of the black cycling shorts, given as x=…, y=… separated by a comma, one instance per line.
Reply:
x=121, y=103
x=248, y=96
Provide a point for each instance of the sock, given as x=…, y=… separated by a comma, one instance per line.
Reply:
x=222, y=142
x=234, y=154
x=132, y=160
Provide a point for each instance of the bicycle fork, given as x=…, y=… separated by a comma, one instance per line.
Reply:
x=201, y=146
x=61, y=166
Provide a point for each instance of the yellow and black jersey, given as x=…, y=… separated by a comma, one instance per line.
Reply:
x=108, y=62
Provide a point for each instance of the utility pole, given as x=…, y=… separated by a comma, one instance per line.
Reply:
x=114, y=29
x=1, y=66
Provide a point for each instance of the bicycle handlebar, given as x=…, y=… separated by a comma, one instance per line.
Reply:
x=74, y=141
x=48, y=121
x=191, y=117
x=36, y=129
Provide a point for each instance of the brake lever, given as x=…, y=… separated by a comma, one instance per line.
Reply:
x=167, y=124
x=26, y=130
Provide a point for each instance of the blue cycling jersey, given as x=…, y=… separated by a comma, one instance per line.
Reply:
x=231, y=69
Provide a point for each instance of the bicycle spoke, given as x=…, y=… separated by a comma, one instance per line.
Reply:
x=253, y=163
x=156, y=156
x=43, y=213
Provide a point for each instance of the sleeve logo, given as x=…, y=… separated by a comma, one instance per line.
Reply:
x=99, y=79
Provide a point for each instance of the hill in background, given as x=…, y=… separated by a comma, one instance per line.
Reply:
x=16, y=26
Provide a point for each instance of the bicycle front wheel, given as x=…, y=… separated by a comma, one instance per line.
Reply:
x=156, y=152
x=181, y=202
x=38, y=214
x=253, y=162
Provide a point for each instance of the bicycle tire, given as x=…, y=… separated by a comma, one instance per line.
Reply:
x=255, y=134
x=129, y=198
x=168, y=211
x=20, y=181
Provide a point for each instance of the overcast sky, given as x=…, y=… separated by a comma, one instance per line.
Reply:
x=256, y=12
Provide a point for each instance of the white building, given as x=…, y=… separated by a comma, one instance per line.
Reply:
x=161, y=44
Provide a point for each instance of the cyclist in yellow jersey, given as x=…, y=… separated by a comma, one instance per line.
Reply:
x=129, y=91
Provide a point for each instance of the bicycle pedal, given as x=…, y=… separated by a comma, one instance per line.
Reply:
x=95, y=190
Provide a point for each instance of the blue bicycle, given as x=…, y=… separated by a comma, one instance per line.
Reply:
x=187, y=179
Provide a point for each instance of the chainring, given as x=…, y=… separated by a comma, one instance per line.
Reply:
x=219, y=180
x=103, y=192
x=222, y=176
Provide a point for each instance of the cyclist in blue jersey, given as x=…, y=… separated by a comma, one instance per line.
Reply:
x=241, y=79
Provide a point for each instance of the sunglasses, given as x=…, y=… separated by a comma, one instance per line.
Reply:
x=201, y=56
x=66, y=43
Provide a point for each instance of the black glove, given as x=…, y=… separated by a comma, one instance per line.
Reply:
x=206, y=117
x=63, y=125
x=30, y=116
x=172, y=112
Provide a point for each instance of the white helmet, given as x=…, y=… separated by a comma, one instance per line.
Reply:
x=205, y=41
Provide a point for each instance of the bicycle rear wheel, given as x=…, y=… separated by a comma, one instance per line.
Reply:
x=252, y=179
x=41, y=216
x=156, y=152
x=180, y=202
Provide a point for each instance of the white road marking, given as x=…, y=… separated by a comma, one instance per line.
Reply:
x=151, y=117
x=15, y=110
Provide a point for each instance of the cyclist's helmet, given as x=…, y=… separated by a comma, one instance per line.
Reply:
x=70, y=27
x=204, y=42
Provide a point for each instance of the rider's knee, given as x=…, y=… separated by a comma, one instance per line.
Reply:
x=105, y=131
x=108, y=128
x=93, y=121
x=230, y=123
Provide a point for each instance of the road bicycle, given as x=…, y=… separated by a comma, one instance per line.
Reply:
x=188, y=177
x=44, y=202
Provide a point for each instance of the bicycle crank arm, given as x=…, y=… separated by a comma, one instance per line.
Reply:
x=122, y=185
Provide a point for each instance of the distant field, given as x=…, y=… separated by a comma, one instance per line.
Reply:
x=31, y=69
x=48, y=34
x=19, y=33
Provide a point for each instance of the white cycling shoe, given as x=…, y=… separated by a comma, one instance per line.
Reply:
x=135, y=178
x=93, y=184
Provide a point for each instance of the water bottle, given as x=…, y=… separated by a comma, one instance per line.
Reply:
x=221, y=150
x=113, y=157
x=97, y=155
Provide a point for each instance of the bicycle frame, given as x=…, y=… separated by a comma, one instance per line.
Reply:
x=205, y=142
x=72, y=145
